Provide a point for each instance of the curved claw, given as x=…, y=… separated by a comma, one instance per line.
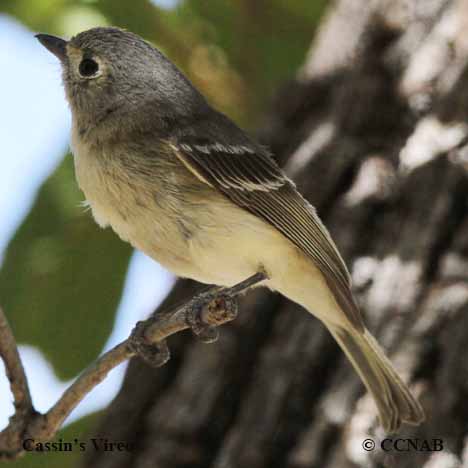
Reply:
x=156, y=355
x=209, y=311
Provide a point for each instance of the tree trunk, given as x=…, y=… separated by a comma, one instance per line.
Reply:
x=374, y=132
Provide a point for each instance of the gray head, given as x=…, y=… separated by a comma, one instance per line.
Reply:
x=112, y=73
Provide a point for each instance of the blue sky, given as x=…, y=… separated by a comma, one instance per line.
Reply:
x=34, y=136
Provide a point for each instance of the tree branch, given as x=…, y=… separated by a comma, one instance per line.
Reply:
x=203, y=314
x=24, y=409
x=14, y=367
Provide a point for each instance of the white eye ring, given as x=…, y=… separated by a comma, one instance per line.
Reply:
x=88, y=68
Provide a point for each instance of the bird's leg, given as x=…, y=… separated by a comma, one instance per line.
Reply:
x=207, y=308
x=155, y=354
x=203, y=314
x=216, y=306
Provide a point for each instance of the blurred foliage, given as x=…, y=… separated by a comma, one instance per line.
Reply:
x=67, y=459
x=62, y=277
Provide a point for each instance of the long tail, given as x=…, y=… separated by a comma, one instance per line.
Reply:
x=393, y=398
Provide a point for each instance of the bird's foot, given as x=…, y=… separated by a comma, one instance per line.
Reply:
x=155, y=354
x=208, y=311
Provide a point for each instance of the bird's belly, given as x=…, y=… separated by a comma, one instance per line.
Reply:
x=224, y=246
x=235, y=247
x=216, y=243
x=145, y=226
x=158, y=236
x=215, y=251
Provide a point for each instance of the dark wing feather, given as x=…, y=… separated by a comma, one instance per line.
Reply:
x=246, y=174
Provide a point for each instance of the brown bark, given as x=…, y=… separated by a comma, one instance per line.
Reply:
x=374, y=132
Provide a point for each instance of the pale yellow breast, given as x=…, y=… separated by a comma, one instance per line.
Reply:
x=131, y=207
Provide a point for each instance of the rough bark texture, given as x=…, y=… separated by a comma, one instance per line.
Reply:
x=374, y=132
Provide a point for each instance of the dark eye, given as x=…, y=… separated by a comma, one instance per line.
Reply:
x=88, y=67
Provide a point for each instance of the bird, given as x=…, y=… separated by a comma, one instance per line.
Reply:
x=180, y=181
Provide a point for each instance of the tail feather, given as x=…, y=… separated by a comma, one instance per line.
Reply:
x=392, y=397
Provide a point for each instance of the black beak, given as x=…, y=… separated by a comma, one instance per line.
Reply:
x=54, y=44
